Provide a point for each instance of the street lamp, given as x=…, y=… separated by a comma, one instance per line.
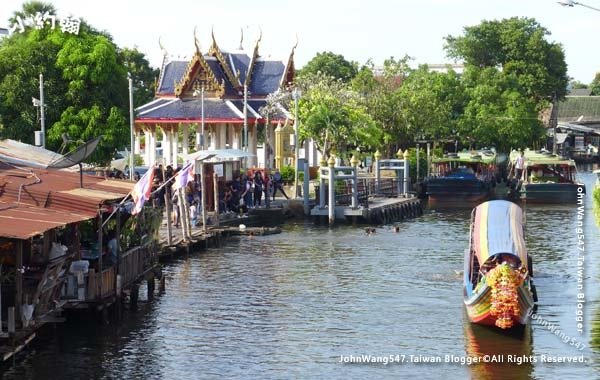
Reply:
x=571, y=3
x=131, y=126
x=296, y=96
x=41, y=135
x=201, y=142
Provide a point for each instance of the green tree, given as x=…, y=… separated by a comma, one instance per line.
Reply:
x=432, y=103
x=595, y=85
x=143, y=75
x=496, y=112
x=85, y=84
x=333, y=116
x=330, y=64
x=380, y=95
x=519, y=47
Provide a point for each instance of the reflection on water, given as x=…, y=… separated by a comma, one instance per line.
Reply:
x=508, y=354
x=289, y=305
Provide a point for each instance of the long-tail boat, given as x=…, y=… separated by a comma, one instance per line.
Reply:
x=498, y=288
x=546, y=178
x=463, y=176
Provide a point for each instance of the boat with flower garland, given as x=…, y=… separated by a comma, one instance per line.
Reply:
x=498, y=288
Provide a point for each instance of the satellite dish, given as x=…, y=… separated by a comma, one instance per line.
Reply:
x=77, y=155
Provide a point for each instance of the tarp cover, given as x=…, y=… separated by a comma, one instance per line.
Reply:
x=498, y=228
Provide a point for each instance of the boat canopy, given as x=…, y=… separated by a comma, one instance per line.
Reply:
x=498, y=229
x=539, y=158
x=484, y=157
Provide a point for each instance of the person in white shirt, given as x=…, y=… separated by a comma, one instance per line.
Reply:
x=520, y=165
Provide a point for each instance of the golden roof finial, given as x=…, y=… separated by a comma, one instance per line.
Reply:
x=161, y=46
x=196, y=42
x=296, y=45
x=241, y=39
x=259, y=36
x=214, y=41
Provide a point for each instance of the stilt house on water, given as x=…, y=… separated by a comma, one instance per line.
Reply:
x=56, y=250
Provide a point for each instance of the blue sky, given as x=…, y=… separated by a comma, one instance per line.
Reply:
x=357, y=29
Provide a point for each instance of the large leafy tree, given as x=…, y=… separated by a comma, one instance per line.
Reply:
x=595, y=85
x=519, y=47
x=85, y=85
x=332, y=65
x=432, y=103
x=496, y=112
x=332, y=115
x=381, y=97
x=143, y=75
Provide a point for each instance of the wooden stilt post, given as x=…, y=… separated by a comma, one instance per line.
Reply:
x=19, y=280
x=216, y=197
x=331, y=206
x=203, y=196
x=168, y=212
x=99, y=295
x=11, y=320
x=151, y=285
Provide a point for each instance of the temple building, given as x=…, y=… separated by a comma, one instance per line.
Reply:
x=199, y=105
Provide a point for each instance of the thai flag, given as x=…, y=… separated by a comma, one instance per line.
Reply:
x=185, y=175
x=142, y=190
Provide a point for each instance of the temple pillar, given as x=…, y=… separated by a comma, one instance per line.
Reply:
x=278, y=146
x=198, y=137
x=252, y=141
x=147, y=139
x=185, y=140
x=152, y=147
x=175, y=145
x=166, y=146
x=136, y=142
x=213, y=139
x=236, y=137
x=222, y=132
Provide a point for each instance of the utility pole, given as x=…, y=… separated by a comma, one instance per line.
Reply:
x=131, y=127
x=42, y=115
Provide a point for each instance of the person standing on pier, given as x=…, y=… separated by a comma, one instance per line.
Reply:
x=258, y=188
x=278, y=184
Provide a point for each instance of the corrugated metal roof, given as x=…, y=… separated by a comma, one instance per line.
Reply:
x=18, y=153
x=36, y=200
x=23, y=222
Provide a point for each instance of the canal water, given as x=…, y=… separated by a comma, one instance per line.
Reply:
x=298, y=304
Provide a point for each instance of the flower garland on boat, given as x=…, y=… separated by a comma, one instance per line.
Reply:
x=504, y=282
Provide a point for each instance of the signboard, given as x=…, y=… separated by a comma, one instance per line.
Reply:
x=218, y=169
x=579, y=143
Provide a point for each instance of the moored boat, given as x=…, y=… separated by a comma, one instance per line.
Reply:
x=546, y=178
x=463, y=176
x=498, y=289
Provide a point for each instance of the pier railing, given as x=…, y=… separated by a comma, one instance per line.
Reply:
x=388, y=187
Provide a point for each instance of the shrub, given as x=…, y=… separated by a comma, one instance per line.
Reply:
x=287, y=174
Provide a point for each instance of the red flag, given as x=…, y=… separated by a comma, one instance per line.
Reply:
x=142, y=190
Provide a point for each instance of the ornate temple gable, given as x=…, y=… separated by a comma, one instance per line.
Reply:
x=216, y=52
x=158, y=82
x=198, y=73
x=255, y=57
x=290, y=71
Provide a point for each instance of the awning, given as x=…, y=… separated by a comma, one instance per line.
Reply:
x=219, y=155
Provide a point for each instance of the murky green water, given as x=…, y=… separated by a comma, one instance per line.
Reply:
x=291, y=305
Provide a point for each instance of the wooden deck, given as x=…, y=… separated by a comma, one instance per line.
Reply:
x=380, y=210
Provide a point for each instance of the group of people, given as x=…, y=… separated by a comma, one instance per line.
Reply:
x=247, y=191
